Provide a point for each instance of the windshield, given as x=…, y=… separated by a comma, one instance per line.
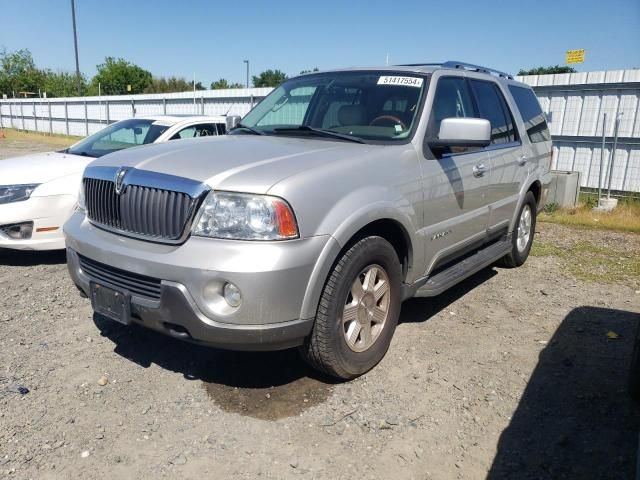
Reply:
x=118, y=136
x=367, y=105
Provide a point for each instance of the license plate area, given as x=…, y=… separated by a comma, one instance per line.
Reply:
x=113, y=304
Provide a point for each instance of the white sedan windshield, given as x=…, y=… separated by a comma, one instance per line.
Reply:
x=118, y=136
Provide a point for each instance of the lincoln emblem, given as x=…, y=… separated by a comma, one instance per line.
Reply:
x=119, y=180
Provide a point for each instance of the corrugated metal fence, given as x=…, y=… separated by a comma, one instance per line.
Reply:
x=575, y=104
x=86, y=115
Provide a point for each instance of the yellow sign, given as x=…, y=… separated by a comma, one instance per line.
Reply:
x=129, y=86
x=574, y=56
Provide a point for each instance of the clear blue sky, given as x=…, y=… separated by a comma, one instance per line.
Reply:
x=211, y=38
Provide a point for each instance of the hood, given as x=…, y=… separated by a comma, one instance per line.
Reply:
x=248, y=163
x=40, y=167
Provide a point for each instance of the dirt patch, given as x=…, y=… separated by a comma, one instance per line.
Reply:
x=14, y=143
x=604, y=257
x=268, y=386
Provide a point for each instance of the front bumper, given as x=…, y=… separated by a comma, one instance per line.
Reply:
x=272, y=276
x=48, y=215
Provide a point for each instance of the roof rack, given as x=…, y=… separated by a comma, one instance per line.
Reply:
x=462, y=66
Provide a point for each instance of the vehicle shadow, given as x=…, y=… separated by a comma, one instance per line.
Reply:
x=248, y=369
x=211, y=365
x=576, y=419
x=31, y=258
x=422, y=309
x=264, y=385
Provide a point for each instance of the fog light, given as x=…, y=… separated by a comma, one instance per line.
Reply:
x=232, y=294
x=18, y=231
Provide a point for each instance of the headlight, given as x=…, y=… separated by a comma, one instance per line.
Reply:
x=80, y=204
x=16, y=193
x=242, y=216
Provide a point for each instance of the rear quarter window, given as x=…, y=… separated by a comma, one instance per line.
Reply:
x=531, y=113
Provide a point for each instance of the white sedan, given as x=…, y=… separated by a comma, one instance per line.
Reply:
x=39, y=192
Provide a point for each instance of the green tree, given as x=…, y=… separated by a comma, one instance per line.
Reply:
x=115, y=74
x=63, y=84
x=309, y=71
x=223, y=84
x=547, y=70
x=168, y=85
x=18, y=73
x=269, y=78
x=171, y=85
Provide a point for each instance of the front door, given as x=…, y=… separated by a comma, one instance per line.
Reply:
x=456, y=182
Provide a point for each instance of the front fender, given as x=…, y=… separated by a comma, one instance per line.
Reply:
x=345, y=222
x=67, y=185
x=364, y=206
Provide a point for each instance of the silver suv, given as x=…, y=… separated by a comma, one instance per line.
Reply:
x=340, y=195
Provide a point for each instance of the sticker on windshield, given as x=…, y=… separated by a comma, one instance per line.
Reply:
x=401, y=81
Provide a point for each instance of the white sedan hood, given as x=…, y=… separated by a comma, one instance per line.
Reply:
x=40, y=167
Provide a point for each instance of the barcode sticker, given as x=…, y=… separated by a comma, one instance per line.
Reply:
x=401, y=81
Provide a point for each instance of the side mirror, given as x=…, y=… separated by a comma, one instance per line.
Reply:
x=232, y=121
x=463, y=133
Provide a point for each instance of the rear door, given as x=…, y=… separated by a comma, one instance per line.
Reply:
x=456, y=181
x=506, y=155
x=535, y=133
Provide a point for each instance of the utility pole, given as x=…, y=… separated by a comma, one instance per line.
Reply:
x=247, y=62
x=75, y=44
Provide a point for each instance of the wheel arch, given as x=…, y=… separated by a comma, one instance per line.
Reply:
x=391, y=229
x=534, y=186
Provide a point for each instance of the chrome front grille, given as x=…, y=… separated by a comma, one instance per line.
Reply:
x=143, y=208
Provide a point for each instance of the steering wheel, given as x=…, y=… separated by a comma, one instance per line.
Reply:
x=388, y=117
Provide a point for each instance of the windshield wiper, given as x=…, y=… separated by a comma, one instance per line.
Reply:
x=320, y=132
x=248, y=129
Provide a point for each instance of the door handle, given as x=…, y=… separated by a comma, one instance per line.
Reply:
x=479, y=170
x=522, y=161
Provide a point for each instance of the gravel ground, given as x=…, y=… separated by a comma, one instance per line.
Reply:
x=513, y=374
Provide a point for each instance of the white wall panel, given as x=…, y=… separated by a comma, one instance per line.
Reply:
x=572, y=114
x=590, y=115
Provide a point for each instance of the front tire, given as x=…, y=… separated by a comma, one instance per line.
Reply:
x=358, y=311
x=522, y=236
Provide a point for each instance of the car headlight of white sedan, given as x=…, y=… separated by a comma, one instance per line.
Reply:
x=16, y=193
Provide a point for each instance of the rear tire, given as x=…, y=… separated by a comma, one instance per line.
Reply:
x=358, y=311
x=523, y=233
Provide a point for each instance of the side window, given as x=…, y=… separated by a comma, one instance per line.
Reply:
x=222, y=128
x=200, y=130
x=206, y=130
x=452, y=99
x=188, y=132
x=531, y=113
x=493, y=107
